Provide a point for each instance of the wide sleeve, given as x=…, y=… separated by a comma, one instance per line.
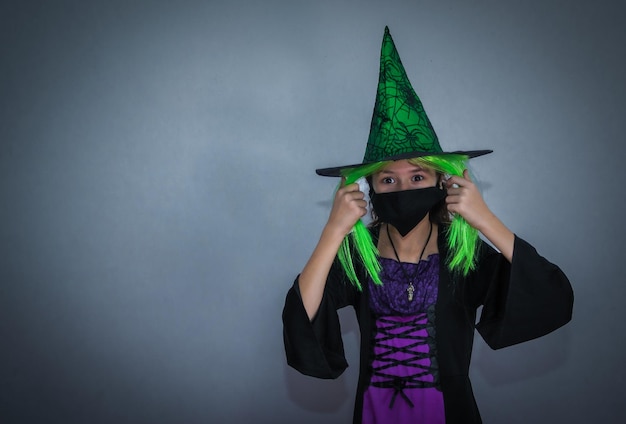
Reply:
x=522, y=300
x=315, y=347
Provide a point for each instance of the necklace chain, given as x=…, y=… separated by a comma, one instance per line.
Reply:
x=411, y=288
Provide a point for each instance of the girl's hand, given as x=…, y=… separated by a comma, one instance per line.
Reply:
x=466, y=200
x=348, y=207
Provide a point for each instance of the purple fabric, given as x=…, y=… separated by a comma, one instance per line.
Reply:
x=403, y=387
x=391, y=298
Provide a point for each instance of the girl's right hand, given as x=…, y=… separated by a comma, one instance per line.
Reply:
x=348, y=207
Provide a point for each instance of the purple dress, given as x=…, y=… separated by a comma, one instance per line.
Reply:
x=404, y=387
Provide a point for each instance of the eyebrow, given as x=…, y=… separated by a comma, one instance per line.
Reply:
x=415, y=169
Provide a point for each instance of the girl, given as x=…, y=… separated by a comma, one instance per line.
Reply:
x=417, y=274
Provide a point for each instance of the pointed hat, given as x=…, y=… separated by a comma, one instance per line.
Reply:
x=400, y=128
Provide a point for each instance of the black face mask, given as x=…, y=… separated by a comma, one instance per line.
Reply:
x=405, y=209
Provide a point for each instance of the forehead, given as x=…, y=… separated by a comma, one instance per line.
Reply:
x=404, y=167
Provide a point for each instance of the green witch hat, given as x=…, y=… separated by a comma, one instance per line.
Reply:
x=400, y=128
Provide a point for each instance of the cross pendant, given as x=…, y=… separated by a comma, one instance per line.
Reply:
x=410, y=290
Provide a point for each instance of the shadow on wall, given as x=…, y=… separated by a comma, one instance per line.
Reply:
x=534, y=358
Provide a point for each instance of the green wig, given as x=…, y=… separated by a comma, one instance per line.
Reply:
x=461, y=237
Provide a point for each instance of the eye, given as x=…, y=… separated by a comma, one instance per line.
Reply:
x=388, y=180
x=417, y=178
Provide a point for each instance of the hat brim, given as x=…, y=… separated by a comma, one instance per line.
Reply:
x=337, y=171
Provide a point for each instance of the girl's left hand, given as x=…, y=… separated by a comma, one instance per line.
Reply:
x=466, y=200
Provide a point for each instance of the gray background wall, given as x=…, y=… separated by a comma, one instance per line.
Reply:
x=158, y=194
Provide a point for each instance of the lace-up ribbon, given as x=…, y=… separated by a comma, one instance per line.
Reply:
x=404, y=355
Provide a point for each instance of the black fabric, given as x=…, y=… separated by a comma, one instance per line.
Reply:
x=336, y=171
x=404, y=209
x=521, y=301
